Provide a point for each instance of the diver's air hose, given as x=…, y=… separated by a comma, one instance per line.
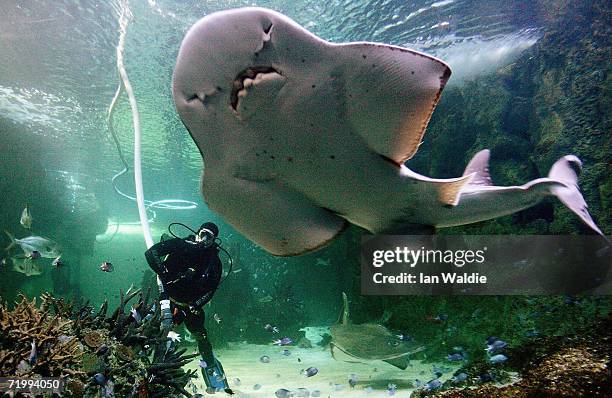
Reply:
x=124, y=18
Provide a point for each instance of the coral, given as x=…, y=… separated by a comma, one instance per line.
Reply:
x=27, y=325
x=97, y=355
x=94, y=338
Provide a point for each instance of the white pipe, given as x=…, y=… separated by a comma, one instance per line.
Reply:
x=142, y=212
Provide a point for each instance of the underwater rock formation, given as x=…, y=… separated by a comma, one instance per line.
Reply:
x=124, y=355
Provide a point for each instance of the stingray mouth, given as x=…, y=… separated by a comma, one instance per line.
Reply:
x=247, y=78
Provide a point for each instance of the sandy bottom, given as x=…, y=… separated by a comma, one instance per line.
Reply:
x=244, y=371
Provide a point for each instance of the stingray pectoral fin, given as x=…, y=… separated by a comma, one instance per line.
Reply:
x=565, y=171
x=390, y=93
x=282, y=221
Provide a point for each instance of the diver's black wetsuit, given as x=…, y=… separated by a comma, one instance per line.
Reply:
x=190, y=274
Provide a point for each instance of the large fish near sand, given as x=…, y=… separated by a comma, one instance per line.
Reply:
x=301, y=136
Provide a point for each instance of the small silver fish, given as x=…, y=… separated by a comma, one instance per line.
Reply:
x=33, y=354
x=26, y=218
x=107, y=267
x=57, y=262
x=217, y=318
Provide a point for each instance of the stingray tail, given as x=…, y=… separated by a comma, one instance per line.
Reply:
x=565, y=171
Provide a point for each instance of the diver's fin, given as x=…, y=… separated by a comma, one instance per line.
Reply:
x=13, y=240
x=565, y=171
x=450, y=191
x=479, y=166
x=400, y=362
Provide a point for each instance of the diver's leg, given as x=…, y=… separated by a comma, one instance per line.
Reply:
x=213, y=373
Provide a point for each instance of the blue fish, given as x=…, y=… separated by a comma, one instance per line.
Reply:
x=311, y=371
x=455, y=357
x=433, y=384
x=496, y=346
x=460, y=377
x=499, y=358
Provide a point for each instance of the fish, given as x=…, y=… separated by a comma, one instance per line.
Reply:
x=33, y=354
x=57, y=262
x=499, y=358
x=315, y=393
x=496, y=346
x=265, y=299
x=26, y=266
x=99, y=379
x=256, y=387
x=281, y=90
x=311, y=371
x=217, y=318
x=45, y=247
x=283, y=341
x=202, y=363
x=107, y=266
x=134, y=313
x=282, y=393
x=271, y=328
x=286, y=353
x=368, y=342
x=352, y=380
x=26, y=218
x=455, y=357
x=432, y=385
x=459, y=377
x=264, y=359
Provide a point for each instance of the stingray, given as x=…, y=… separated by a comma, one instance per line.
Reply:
x=300, y=136
x=368, y=342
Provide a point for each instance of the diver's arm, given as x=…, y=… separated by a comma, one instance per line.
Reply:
x=156, y=252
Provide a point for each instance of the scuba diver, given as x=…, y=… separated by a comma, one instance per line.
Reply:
x=189, y=271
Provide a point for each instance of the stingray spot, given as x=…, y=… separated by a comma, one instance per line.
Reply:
x=272, y=157
x=314, y=85
x=219, y=88
x=256, y=55
x=256, y=154
x=289, y=159
x=412, y=73
x=373, y=65
x=364, y=56
x=271, y=139
x=287, y=49
x=311, y=124
x=268, y=29
x=303, y=60
x=448, y=206
x=332, y=156
x=264, y=151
